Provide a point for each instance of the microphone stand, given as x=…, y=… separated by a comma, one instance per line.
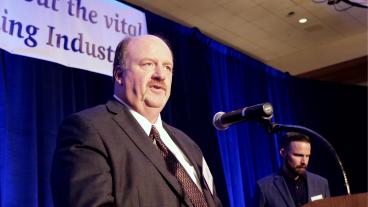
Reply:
x=273, y=128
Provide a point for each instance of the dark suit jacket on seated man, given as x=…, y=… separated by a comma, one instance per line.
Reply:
x=122, y=153
x=292, y=185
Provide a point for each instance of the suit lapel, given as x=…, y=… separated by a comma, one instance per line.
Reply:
x=127, y=123
x=283, y=189
x=208, y=196
x=310, y=187
x=179, y=142
x=197, y=164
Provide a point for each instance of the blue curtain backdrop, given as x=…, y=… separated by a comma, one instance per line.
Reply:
x=36, y=95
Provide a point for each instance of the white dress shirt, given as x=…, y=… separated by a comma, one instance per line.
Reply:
x=170, y=144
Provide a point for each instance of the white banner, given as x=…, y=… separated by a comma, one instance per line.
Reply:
x=76, y=33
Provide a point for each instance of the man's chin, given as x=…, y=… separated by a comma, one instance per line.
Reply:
x=155, y=103
x=300, y=171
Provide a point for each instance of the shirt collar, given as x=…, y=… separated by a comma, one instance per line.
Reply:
x=143, y=121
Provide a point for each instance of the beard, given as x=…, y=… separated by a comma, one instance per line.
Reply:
x=298, y=170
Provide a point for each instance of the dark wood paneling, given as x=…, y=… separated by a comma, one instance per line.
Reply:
x=349, y=72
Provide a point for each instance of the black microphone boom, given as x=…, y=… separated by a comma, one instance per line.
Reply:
x=222, y=120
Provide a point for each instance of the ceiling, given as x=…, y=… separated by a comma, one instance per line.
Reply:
x=264, y=30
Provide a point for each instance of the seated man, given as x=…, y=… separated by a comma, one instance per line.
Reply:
x=292, y=185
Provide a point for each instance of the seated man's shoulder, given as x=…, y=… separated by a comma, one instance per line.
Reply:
x=315, y=176
x=267, y=179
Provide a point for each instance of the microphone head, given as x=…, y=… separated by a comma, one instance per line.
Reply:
x=267, y=110
x=216, y=121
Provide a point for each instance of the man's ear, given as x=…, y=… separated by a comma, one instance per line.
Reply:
x=282, y=152
x=118, y=74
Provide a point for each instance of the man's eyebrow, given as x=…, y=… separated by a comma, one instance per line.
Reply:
x=168, y=63
x=146, y=59
x=299, y=154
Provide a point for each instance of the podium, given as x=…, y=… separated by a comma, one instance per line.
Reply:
x=355, y=200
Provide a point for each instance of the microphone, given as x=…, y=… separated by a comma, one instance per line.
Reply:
x=222, y=120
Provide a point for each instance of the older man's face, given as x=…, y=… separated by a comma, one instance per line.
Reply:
x=148, y=74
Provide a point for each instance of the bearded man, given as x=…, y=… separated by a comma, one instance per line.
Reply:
x=292, y=185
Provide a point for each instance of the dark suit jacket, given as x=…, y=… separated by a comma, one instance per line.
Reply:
x=104, y=158
x=273, y=191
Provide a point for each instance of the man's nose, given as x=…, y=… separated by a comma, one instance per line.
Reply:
x=302, y=161
x=159, y=72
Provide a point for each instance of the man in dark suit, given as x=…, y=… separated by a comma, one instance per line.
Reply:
x=121, y=153
x=292, y=185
